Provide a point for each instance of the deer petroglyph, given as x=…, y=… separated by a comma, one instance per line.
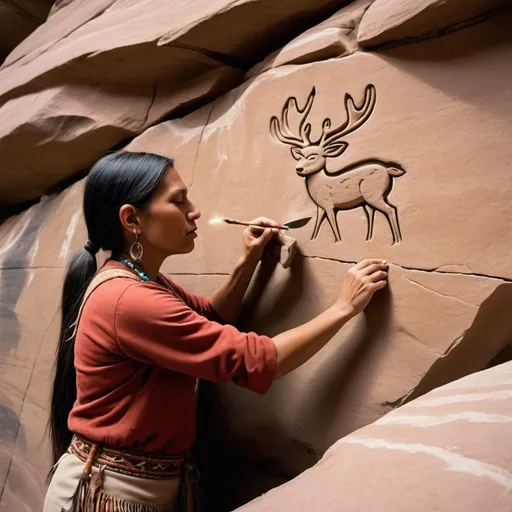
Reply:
x=364, y=184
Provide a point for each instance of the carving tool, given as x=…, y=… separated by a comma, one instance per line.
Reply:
x=294, y=224
x=286, y=247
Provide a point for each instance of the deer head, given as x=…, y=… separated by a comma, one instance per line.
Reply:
x=311, y=156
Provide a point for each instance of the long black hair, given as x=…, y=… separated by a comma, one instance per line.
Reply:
x=116, y=179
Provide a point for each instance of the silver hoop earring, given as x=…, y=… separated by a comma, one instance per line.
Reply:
x=136, y=250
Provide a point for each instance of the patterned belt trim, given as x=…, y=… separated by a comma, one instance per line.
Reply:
x=130, y=463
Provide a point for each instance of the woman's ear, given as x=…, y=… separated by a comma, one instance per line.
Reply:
x=128, y=216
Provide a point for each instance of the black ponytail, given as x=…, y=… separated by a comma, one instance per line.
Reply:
x=78, y=276
x=115, y=180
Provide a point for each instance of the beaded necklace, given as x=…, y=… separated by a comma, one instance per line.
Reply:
x=140, y=273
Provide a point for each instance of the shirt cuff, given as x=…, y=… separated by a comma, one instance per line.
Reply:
x=262, y=370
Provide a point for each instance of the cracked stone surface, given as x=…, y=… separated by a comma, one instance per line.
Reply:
x=441, y=200
x=333, y=38
x=185, y=53
x=444, y=448
x=67, y=134
x=442, y=115
x=396, y=21
x=426, y=330
x=445, y=314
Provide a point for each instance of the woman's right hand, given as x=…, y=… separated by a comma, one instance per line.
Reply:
x=296, y=346
x=361, y=282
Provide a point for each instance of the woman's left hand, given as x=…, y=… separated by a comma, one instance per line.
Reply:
x=256, y=239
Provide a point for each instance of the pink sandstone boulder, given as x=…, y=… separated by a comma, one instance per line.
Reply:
x=395, y=21
x=450, y=449
x=334, y=37
x=67, y=134
x=57, y=27
x=152, y=53
x=436, y=115
x=445, y=313
x=35, y=246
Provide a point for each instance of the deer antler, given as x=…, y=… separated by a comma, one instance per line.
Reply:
x=356, y=116
x=281, y=129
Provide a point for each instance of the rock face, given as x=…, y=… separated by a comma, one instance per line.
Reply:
x=34, y=248
x=449, y=447
x=66, y=133
x=18, y=19
x=401, y=154
x=154, y=54
x=334, y=37
x=393, y=21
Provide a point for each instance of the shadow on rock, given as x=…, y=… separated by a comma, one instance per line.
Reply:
x=486, y=342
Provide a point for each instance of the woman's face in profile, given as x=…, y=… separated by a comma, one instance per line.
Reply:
x=168, y=224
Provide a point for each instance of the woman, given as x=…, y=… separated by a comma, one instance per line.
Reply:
x=133, y=343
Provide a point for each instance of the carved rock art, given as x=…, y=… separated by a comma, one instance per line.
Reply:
x=365, y=184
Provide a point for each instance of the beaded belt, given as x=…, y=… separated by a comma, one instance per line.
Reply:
x=154, y=467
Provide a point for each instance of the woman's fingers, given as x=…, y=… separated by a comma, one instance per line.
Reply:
x=263, y=236
x=378, y=276
x=258, y=233
x=367, y=262
x=267, y=235
x=374, y=267
x=379, y=285
x=264, y=221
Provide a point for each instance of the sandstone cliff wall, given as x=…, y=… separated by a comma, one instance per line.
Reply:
x=424, y=169
x=449, y=449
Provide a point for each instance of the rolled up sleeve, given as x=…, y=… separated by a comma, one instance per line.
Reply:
x=155, y=326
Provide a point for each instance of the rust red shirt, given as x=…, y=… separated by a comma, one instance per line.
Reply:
x=139, y=348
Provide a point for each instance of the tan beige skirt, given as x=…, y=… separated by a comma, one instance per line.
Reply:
x=120, y=492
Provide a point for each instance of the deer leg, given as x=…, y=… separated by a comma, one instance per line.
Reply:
x=320, y=216
x=393, y=220
x=391, y=215
x=325, y=202
x=394, y=217
x=374, y=192
x=370, y=217
x=331, y=217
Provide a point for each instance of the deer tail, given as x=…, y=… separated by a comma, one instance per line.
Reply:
x=395, y=171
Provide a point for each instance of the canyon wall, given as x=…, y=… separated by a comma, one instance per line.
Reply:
x=384, y=124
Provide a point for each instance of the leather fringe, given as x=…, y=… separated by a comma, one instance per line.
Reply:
x=101, y=502
x=89, y=496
